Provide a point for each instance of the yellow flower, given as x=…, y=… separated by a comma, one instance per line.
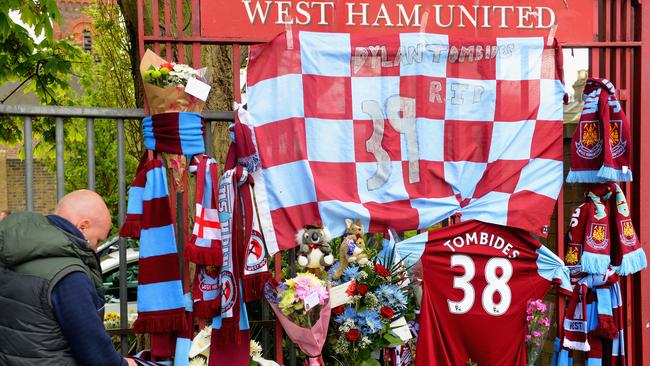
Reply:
x=312, y=277
x=111, y=316
x=286, y=304
x=290, y=283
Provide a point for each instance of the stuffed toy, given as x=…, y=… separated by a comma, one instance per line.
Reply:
x=352, y=249
x=314, y=250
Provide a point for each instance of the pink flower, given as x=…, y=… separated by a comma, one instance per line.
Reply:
x=322, y=294
x=303, y=287
x=537, y=334
x=545, y=322
x=528, y=337
x=536, y=344
x=541, y=306
x=529, y=318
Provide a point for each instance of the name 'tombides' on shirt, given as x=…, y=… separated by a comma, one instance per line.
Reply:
x=477, y=281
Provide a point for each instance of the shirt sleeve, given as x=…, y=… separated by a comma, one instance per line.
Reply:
x=74, y=306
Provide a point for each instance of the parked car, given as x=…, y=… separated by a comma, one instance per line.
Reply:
x=110, y=262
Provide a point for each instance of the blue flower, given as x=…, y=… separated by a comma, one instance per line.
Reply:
x=369, y=322
x=332, y=271
x=348, y=314
x=391, y=295
x=271, y=293
x=350, y=273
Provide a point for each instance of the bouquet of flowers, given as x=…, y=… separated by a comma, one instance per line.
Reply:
x=165, y=82
x=538, y=325
x=200, y=350
x=112, y=321
x=302, y=307
x=379, y=298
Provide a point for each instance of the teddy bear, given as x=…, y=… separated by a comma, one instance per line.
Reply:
x=352, y=249
x=314, y=251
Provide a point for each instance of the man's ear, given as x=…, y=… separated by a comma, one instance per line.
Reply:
x=83, y=225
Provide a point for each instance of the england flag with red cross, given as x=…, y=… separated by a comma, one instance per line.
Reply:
x=403, y=131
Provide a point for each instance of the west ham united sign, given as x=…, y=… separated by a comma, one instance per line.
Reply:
x=261, y=20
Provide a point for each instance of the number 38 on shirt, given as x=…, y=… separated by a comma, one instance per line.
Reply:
x=498, y=272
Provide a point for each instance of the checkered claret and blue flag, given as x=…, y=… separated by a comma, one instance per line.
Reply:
x=403, y=131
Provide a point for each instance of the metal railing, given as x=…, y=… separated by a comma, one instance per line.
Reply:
x=29, y=112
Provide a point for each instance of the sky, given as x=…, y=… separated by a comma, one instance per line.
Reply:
x=15, y=16
x=579, y=60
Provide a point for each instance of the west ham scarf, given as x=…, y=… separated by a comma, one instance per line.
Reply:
x=242, y=150
x=206, y=292
x=230, y=339
x=175, y=133
x=600, y=148
x=609, y=302
x=161, y=306
x=562, y=356
x=231, y=353
x=133, y=221
x=244, y=270
x=575, y=322
x=596, y=250
x=610, y=239
x=256, y=271
x=204, y=246
x=227, y=330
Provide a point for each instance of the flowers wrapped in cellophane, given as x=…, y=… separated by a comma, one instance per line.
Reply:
x=537, y=316
x=164, y=85
x=301, y=304
x=374, y=317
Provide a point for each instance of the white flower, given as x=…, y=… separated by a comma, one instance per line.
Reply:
x=363, y=275
x=365, y=341
x=256, y=349
x=371, y=300
x=199, y=361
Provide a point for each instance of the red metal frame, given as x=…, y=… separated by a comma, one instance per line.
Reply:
x=619, y=53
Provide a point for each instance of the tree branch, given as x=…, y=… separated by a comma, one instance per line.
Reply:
x=18, y=87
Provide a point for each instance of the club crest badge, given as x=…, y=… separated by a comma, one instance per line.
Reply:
x=597, y=237
x=572, y=256
x=590, y=145
x=228, y=291
x=627, y=234
x=616, y=142
x=209, y=279
x=256, y=254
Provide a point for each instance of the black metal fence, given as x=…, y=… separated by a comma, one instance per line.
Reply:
x=60, y=114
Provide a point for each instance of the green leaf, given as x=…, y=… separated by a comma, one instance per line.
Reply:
x=370, y=362
x=393, y=338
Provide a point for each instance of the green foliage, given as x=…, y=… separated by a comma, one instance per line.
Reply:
x=105, y=78
x=45, y=66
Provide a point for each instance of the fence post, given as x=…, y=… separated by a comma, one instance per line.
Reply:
x=29, y=161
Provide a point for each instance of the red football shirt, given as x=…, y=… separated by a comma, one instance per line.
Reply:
x=477, y=281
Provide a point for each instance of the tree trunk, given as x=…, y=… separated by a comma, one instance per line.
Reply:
x=129, y=9
x=218, y=59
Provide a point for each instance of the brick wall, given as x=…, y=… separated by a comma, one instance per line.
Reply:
x=3, y=180
x=44, y=186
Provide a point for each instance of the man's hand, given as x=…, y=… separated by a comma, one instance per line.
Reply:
x=131, y=362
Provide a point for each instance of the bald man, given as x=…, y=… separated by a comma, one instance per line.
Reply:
x=51, y=296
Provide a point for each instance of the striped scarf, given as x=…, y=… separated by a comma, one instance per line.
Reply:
x=595, y=324
x=205, y=244
x=609, y=239
x=175, y=133
x=161, y=306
